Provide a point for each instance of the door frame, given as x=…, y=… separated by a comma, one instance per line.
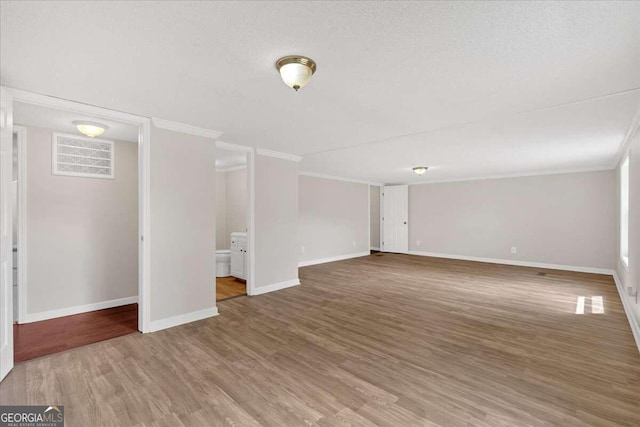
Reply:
x=251, y=188
x=21, y=133
x=382, y=222
x=144, y=191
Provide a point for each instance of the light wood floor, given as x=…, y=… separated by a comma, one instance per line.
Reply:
x=229, y=287
x=389, y=340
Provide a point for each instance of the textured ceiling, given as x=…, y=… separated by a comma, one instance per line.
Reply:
x=62, y=121
x=387, y=71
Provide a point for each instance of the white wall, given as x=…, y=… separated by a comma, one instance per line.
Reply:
x=221, y=211
x=82, y=233
x=566, y=219
x=276, y=223
x=183, y=226
x=333, y=218
x=630, y=277
x=374, y=200
x=236, y=203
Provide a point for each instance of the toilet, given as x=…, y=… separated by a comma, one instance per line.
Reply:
x=223, y=263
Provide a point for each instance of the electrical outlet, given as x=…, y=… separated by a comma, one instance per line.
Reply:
x=302, y=249
x=417, y=242
x=514, y=249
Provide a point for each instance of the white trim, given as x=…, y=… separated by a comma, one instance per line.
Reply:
x=184, y=128
x=332, y=259
x=278, y=155
x=144, y=181
x=69, y=311
x=181, y=319
x=580, y=269
x=338, y=178
x=369, y=214
x=275, y=287
x=221, y=145
x=22, y=221
x=373, y=248
x=232, y=168
x=514, y=175
x=628, y=309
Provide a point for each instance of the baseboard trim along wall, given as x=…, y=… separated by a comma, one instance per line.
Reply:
x=181, y=319
x=576, y=268
x=374, y=248
x=259, y=290
x=628, y=309
x=69, y=311
x=332, y=259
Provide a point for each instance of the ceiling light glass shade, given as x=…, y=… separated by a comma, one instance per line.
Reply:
x=90, y=129
x=296, y=71
x=420, y=169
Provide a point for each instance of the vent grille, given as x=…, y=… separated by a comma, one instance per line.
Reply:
x=82, y=157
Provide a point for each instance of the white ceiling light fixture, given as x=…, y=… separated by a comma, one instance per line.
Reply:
x=90, y=129
x=420, y=170
x=296, y=70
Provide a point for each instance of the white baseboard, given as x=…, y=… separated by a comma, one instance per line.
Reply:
x=628, y=309
x=275, y=287
x=181, y=319
x=68, y=311
x=518, y=263
x=374, y=248
x=332, y=259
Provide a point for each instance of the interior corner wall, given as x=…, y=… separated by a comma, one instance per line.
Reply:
x=333, y=219
x=276, y=223
x=221, y=211
x=183, y=226
x=82, y=237
x=563, y=219
x=374, y=214
x=630, y=277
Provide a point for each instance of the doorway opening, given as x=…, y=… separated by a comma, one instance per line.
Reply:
x=77, y=218
x=232, y=185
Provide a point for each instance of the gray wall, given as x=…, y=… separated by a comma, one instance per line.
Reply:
x=276, y=221
x=374, y=225
x=333, y=218
x=221, y=211
x=82, y=234
x=567, y=219
x=630, y=277
x=183, y=227
x=236, y=203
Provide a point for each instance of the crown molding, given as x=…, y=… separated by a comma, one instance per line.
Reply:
x=507, y=176
x=221, y=145
x=278, y=155
x=338, y=178
x=184, y=128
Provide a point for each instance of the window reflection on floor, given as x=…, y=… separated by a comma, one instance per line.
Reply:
x=597, y=305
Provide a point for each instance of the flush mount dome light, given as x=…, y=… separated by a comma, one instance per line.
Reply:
x=91, y=129
x=296, y=70
x=420, y=169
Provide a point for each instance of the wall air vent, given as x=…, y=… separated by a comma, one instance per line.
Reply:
x=82, y=157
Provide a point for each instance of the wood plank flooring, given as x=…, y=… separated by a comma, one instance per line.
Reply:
x=389, y=340
x=37, y=339
x=229, y=287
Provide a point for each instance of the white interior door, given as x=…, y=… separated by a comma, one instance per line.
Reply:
x=6, y=236
x=395, y=219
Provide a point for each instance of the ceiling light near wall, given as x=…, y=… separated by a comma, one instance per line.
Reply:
x=91, y=129
x=420, y=170
x=295, y=70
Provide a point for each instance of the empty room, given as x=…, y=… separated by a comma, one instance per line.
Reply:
x=320, y=213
